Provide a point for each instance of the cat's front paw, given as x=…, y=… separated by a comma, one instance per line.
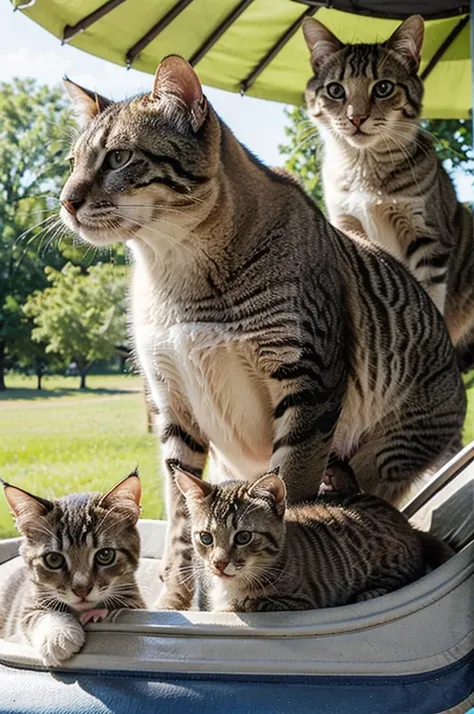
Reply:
x=57, y=637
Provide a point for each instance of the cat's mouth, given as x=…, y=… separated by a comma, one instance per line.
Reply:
x=97, y=230
x=220, y=574
x=83, y=605
x=360, y=138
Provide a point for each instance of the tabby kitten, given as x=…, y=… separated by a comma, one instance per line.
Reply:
x=81, y=553
x=265, y=336
x=381, y=173
x=257, y=554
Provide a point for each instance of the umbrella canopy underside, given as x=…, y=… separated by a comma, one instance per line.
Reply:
x=257, y=46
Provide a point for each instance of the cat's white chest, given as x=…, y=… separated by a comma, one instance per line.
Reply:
x=226, y=395
x=223, y=593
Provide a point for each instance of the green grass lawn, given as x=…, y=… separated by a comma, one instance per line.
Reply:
x=63, y=440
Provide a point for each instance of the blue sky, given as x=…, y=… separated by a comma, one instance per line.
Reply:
x=28, y=50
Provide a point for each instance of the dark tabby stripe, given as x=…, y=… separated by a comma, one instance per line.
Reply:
x=174, y=430
x=174, y=163
x=418, y=243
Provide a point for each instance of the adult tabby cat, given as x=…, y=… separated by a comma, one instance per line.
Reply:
x=381, y=172
x=81, y=553
x=256, y=554
x=264, y=334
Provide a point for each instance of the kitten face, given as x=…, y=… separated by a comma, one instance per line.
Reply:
x=144, y=166
x=81, y=550
x=237, y=527
x=366, y=95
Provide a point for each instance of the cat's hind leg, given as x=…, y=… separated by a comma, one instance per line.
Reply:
x=406, y=445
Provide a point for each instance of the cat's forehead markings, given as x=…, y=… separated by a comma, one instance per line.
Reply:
x=91, y=146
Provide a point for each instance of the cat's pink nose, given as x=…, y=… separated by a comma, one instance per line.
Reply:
x=221, y=565
x=356, y=120
x=82, y=592
x=72, y=207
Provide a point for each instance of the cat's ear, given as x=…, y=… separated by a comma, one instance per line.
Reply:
x=407, y=40
x=174, y=76
x=270, y=484
x=322, y=44
x=127, y=490
x=24, y=504
x=86, y=104
x=191, y=486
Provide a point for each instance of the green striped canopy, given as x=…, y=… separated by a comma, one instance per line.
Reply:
x=257, y=46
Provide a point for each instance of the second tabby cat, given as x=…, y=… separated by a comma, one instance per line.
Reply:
x=80, y=553
x=255, y=554
x=381, y=174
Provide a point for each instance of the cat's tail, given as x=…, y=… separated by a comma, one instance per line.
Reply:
x=435, y=551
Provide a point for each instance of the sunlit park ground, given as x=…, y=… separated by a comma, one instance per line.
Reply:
x=63, y=440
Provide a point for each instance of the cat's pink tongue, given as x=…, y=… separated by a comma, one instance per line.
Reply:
x=94, y=615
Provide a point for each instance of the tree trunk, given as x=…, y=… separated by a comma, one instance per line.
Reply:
x=39, y=374
x=3, y=386
x=83, y=380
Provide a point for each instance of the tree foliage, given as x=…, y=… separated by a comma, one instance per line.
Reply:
x=453, y=142
x=80, y=316
x=33, y=124
x=304, y=152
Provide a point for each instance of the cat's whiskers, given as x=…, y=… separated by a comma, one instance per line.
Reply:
x=191, y=572
x=433, y=138
x=42, y=222
x=410, y=162
x=413, y=141
x=152, y=229
x=270, y=571
x=163, y=206
x=388, y=149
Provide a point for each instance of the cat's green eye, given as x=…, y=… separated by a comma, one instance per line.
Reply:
x=383, y=89
x=105, y=556
x=117, y=158
x=206, y=538
x=336, y=90
x=243, y=537
x=54, y=561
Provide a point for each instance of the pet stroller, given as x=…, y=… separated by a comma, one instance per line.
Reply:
x=409, y=652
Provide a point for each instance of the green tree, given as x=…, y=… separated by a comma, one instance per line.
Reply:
x=81, y=317
x=33, y=128
x=31, y=355
x=453, y=142
x=304, y=152
x=452, y=139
